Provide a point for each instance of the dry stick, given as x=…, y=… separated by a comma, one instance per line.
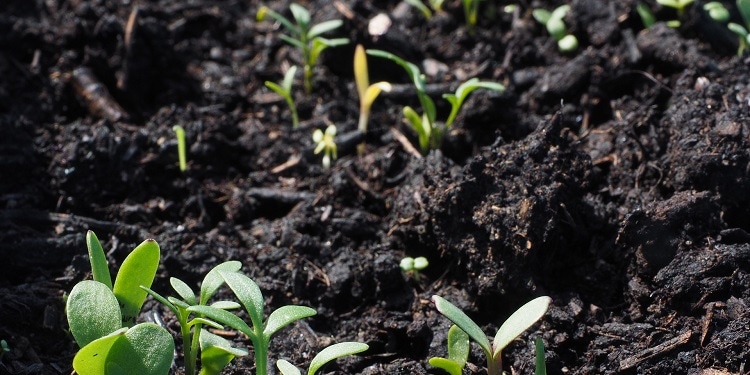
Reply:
x=656, y=350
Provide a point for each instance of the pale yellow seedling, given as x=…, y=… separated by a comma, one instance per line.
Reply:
x=367, y=92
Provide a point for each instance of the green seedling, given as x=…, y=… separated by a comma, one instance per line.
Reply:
x=717, y=11
x=429, y=131
x=553, y=21
x=514, y=326
x=471, y=9
x=541, y=363
x=424, y=9
x=413, y=266
x=680, y=6
x=259, y=332
x=306, y=37
x=740, y=30
x=326, y=143
x=367, y=92
x=179, y=132
x=101, y=316
x=647, y=16
x=458, y=352
x=285, y=90
x=212, y=361
x=326, y=355
x=4, y=348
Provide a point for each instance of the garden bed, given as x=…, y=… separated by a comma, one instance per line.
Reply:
x=614, y=179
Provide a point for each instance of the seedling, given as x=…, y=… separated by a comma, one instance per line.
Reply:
x=740, y=30
x=541, y=363
x=101, y=316
x=424, y=9
x=327, y=144
x=413, y=265
x=367, y=92
x=221, y=352
x=516, y=324
x=429, y=131
x=717, y=11
x=471, y=9
x=647, y=16
x=251, y=298
x=458, y=352
x=305, y=36
x=680, y=6
x=553, y=21
x=285, y=90
x=4, y=348
x=179, y=132
x=326, y=355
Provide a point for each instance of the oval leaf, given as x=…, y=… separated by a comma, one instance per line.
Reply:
x=99, y=266
x=138, y=268
x=92, y=358
x=287, y=368
x=334, y=352
x=93, y=312
x=463, y=321
x=249, y=294
x=184, y=290
x=449, y=366
x=213, y=280
x=519, y=321
x=285, y=315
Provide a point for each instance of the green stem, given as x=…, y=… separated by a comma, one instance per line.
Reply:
x=187, y=348
x=261, y=357
x=194, y=347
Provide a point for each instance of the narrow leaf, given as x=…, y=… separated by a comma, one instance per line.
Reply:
x=361, y=76
x=334, y=352
x=323, y=28
x=301, y=15
x=161, y=299
x=213, y=280
x=421, y=7
x=247, y=291
x=93, y=312
x=285, y=315
x=287, y=368
x=224, y=317
x=463, y=321
x=138, y=268
x=458, y=345
x=541, y=363
x=287, y=85
x=99, y=266
x=519, y=321
x=183, y=290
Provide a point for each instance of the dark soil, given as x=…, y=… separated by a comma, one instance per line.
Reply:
x=615, y=179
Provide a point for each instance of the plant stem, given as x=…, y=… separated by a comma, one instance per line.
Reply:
x=186, y=348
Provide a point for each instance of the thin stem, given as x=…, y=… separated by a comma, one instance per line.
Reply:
x=187, y=347
x=194, y=347
x=495, y=365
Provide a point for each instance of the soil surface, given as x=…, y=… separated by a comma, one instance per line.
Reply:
x=615, y=179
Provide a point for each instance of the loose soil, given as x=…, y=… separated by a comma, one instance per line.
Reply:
x=614, y=179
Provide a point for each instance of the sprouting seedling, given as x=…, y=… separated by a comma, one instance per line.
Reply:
x=647, y=16
x=367, y=92
x=553, y=21
x=740, y=30
x=212, y=362
x=680, y=6
x=458, y=352
x=259, y=332
x=436, y=5
x=101, y=316
x=4, y=348
x=326, y=143
x=514, y=326
x=179, y=132
x=717, y=11
x=541, y=364
x=285, y=90
x=326, y=355
x=429, y=131
x=305, y=36
x=413, y=266
x=471, y=9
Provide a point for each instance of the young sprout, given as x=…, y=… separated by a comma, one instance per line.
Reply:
x=429, y=131
x=740, y=30
x=471, y=9
x=191, y=341
x=458, y=352
x=680, y=6
x=553, y=21
x=326, y=355
x=647, y=16
x=306, y=37
x=259, y=331
x=326, y=143
x=181, y=147
x=285, y=90
x=4, y=348
x=367, y=92
x=541, y=363
x=413, y=265
x=514, y=326
x=424, y=9
x=717, y=11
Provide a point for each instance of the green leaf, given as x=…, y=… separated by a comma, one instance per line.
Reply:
x=541, y=363
x=226, y=305
x=183, y=290
x=247, y=291
x=560, y=12
x=416, y=123
x=224, y=317
x=99, y=266
x=266, y=11
x=287, y=368
x=204, y=321
x=93, y=312
x=449, y=366
x=568, y=43
x=320, y=44
x=138, y=268
x=145, y=349
x=458, y=345
x=323, y=28
x=556, y=28
x=301, y=15
x=213, y=280
x=216, y=353
x=287, y=85
x=179, y=132
x=334, y=352
x=421, y=7
x=519, y=321
x=463, y=91
x=292, y=41
x=744, y=7
x=463, y=321
x=647, y=16
x=737, y=29
x=285, y=315
x=541, y=15
x=161, y=299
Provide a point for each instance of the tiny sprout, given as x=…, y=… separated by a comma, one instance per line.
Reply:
x=740, y=30
x=326, y=143
x=458, y=352
x=413, y=265
x=367, y=92
x=285, y=90
x=553, y=21
x=4, y=348
x=326, y=355
x=679, y=5
x=717, y=11
x=179, y=132
x=647, y=16
x=463, y=91
x=514, y=326
x=306, y=37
